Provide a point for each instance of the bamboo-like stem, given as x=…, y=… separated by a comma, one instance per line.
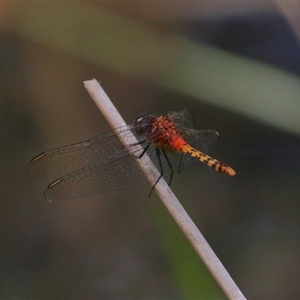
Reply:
x=180, y=216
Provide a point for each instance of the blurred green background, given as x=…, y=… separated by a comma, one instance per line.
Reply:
x=235, y=66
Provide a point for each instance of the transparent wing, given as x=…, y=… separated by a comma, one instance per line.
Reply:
x=200, y=139
x=64, y=160
x=182, y=118
x=98, y=165
x=119, y=173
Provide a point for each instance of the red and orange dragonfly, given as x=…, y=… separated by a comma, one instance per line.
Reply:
x=103, y=163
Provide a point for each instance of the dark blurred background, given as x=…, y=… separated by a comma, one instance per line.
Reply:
x=235, y=66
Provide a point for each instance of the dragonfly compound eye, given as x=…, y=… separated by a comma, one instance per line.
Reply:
x=142, y=123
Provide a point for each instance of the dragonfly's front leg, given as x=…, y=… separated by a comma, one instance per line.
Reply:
x=144, y=150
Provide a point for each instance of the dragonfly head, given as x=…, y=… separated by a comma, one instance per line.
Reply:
x=143, y=123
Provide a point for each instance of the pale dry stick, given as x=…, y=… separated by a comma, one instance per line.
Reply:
x=183, y=220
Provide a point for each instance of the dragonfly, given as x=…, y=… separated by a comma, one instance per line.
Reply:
x=104, y=163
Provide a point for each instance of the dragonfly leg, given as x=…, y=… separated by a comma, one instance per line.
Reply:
x=161, y=171
x=169, y=165
x=143, y=152
x=138, y=143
